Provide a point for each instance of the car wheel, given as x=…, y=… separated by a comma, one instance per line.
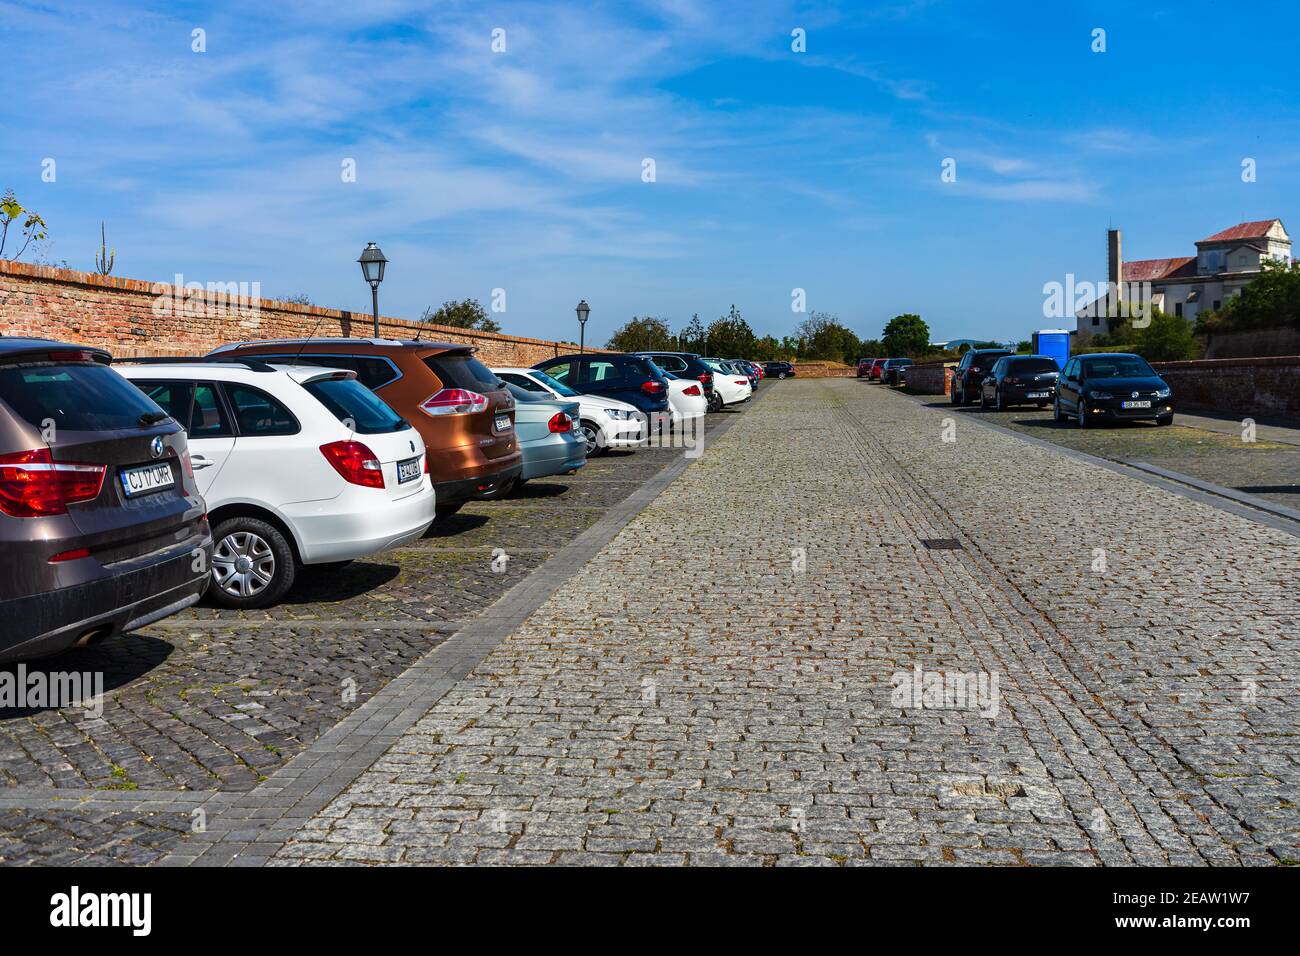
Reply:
x=447, y=510
x=1057, y=415
x=984, y=402
x=1084, y=422
x=252, y=564
x=1165, y=420
x=780, y=374
x=591, y=435
x=1001, y=404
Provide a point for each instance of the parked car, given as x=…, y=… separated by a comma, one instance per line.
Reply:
x=747, y=370
x=889, y=371
x=1112, y=387
x=864, y=367
x=300, y=466
x=628, y=378
x=604, y=423
x=686, y=399
x=730, y=384
x=877, y=367
x=1019, y=380
x=684, y=365
x=970, y=373
x=102, y=526
x=461, y=410
x=779, y=369
x=548, y=434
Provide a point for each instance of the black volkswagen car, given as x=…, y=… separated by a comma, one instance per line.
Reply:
x=778, y=369
x=1112, y=386
x=102, y=526
x=1020, y=380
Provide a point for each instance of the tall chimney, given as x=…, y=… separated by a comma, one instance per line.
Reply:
x=1115, y=262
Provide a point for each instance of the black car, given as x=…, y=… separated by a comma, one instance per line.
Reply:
x=102, y=526
x=1112, y=386
x=779, y=369
x=970, y=374
x=889, y=374
x=1020, y=380
x=684, y=365
x=629, y=378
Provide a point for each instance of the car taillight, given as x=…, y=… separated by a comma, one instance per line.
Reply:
x=691, y=390
x=454, y=401
x=706, y=379
x=742, y=381
x=652, y=387
x=426, y=462
x=355, y=462
x=560, y=422
x=1013, y=381
x=33, y=484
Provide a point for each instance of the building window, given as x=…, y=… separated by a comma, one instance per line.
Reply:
x=1096, y=320
x=1217, y=303
x=1178, y=309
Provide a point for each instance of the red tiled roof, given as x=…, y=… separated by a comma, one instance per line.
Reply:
x=1149, y=270
x=1243, y=230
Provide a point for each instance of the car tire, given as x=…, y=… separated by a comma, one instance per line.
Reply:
x=780, y=374
x=591, y=435
x=253, y=564
x=447, y=510
x=984, y=402
x=1001, y=404
x=1057, y=414
x=1084, y=422
x=1165, y=420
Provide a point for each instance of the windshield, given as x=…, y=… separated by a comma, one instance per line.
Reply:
x=554, y=384
x=1117, y=366
x=352, y=403
x=1032, y=366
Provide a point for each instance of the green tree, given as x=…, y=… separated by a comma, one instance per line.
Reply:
x=1270, y=301
x=465, y=314
x=642, y=335
x=1024, y=347
x=691, y=338
x=1169, y=338
x=730, y=336
x=906, y=335
x=824, y=337
x=27, y=225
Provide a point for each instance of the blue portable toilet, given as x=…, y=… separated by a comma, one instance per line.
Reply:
x=1053, y=342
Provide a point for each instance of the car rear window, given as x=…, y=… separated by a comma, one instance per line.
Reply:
x=75, y=397
x=463, y=371
x=373, y=371
x=1024, y=366
x=351, y=402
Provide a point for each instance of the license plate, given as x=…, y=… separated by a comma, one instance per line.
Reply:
x=1037, y=395
x=503, y=423
x=409, y=470
x=141, y=481
x=1136, y=405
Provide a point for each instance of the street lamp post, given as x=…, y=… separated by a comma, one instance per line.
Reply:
x=583, y=311
x=372, y=267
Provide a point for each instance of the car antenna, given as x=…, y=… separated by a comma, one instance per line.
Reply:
x=303, y=347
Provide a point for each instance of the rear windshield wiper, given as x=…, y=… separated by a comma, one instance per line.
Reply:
x=152, y=418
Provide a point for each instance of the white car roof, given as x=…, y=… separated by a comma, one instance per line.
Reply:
x=230, y=371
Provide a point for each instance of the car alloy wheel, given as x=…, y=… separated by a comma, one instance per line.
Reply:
x=1056, y=411
x=591, y=435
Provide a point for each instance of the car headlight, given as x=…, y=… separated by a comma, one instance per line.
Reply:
x=1164, y=392
x=1096, y=394
x=620, y=414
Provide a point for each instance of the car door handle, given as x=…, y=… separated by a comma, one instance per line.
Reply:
x=199, y=461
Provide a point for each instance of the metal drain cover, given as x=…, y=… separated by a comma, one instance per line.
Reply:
x=942, y=544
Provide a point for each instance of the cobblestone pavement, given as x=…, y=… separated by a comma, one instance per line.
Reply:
x=1216, y=453
x=216, y=700
x=751, y=704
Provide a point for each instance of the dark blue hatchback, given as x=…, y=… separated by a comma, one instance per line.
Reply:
x=628, y=378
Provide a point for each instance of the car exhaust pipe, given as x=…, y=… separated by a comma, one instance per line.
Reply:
x=94, y=635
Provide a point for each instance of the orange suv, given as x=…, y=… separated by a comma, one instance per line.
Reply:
x=461, y=409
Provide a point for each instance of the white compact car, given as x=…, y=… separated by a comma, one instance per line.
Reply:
x=299, y=465
x=686, y=399
x=732, y=387
x=605, y=422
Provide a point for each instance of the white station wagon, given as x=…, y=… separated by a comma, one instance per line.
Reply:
x=299, y=466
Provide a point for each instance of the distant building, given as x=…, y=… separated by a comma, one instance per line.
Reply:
x=1224, y=264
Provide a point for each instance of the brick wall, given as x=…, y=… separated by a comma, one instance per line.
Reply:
x=134, y=318
x=820, y=370
x=1250, y=387
x=931, y=378
x=1253, y=343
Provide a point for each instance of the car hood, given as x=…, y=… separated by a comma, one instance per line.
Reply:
x=1138, y=383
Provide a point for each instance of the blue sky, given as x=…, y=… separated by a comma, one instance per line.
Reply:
x=775, y=170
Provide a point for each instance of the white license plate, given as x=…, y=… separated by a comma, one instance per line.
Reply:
x=1136, y=405
x=1037, y=395
x=503, y=423
x=141, y=481
x=409, y=470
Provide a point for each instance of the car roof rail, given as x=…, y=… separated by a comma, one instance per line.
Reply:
x=251, y=364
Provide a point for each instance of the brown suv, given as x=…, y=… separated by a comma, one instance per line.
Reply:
x=461, y=409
